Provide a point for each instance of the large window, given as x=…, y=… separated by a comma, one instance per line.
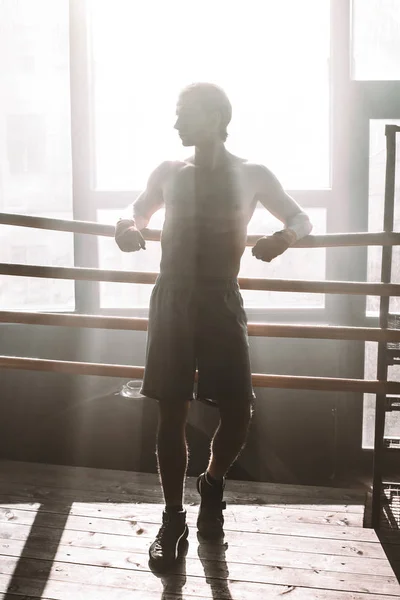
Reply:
x=280, y=93
x=35, y=147
x=139, y=56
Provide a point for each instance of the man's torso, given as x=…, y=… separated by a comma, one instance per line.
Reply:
x=206, y=217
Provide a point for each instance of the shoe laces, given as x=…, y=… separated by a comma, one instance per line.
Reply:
x=166, y=528
x=162, y=534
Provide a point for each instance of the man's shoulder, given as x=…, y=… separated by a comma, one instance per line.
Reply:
x=169, y=167
x=257, y=172
x=249, y=166
x=256, y=168
x=163, y=172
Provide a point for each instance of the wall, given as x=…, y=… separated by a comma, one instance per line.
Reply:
x=70, y=419
x=81, y=420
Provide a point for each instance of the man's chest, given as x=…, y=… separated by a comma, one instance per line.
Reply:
x=222, y=194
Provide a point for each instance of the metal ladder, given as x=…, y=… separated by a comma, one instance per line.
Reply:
x=385, y=492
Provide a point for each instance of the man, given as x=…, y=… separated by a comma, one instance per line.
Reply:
x=196, y=317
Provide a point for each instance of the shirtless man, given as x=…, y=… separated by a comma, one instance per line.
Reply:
x=196, y=317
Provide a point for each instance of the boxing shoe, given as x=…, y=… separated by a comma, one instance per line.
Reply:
x=210, y=520
x=164, y=551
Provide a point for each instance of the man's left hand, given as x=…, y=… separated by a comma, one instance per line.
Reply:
x=268, y=248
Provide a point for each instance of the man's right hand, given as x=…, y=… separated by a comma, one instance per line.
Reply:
x=128, y=237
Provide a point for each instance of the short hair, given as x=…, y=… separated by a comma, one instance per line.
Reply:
x=212, y=98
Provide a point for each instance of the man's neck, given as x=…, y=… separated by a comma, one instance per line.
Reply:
x=210, y=155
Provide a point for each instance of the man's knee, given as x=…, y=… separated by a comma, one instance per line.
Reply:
x=173, y=414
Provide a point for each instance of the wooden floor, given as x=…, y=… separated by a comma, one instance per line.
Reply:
x=83, y=534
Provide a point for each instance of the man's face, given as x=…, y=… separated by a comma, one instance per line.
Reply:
x=194, y=124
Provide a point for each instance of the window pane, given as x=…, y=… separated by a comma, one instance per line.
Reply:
x=35, y=147
x=279, y=90
x=307, y=263
x=392, y=423
x=376, y=39
x=376, y=199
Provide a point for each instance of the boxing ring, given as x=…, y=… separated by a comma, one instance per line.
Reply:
x=381, y=387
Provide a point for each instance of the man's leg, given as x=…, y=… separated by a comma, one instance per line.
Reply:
x=225, y=372
x=228, y=441
x=172, y=456
x=229, y=438
x=225, y=378
x=169, y=375
x=172, y=452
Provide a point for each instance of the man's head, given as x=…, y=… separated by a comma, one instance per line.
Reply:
x=203, y=114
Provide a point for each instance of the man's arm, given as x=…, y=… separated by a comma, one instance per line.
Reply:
x=272, y=195
x=127, y=231
x=297, y=223
x=151, y=199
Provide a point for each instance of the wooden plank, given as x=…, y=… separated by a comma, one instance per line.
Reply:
x=136, y=573
x=17, y=596
x=258, y=513
x=127, y=481
x=278, y=512
x=42, y=547
x=72, y=590
x=94, y=548
x=173, y=588
x=18, y=492
x=259, y=542
x=238, y=520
